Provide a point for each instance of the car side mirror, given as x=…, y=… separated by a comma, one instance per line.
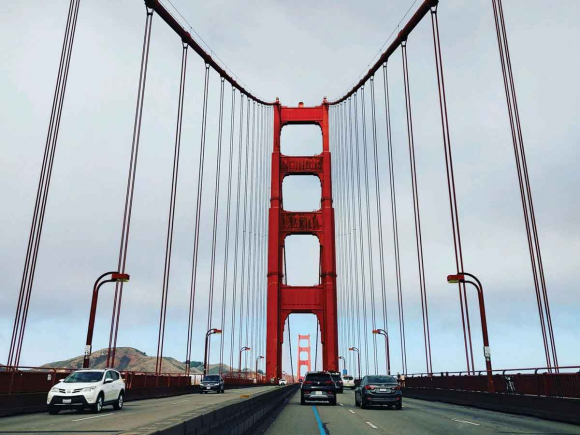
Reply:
x=108, y=381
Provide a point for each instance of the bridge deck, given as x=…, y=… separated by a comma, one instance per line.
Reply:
x=417, y=417
x=137, y=417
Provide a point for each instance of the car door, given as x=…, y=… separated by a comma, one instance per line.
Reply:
x=118, y=383
x=108, y=387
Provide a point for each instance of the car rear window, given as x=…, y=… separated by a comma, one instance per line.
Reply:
x=317, y=377
x=213, y=378
x=347, y=378
x=336, y=377
x=381, y=380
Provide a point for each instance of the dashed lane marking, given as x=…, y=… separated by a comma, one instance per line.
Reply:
x=371, y=425
x=465, y=421
x=94, y=416
x=351, y=411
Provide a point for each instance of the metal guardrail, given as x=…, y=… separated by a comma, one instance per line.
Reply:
x=506, y=381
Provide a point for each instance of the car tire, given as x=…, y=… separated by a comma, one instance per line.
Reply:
x=363, y=403
x=302, y=400
x=355, y=401
x=333, y=402
x=118, y=405
x=53, y=410
x=399, y=405
x=98, y=406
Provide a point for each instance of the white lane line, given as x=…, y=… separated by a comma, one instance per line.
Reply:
x=371, y=425
x=183, y=401
x=351, y=411
x=94, y=416
x=465, y=421
x=340, y=404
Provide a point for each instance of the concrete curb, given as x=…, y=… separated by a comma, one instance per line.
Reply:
x=548, y=408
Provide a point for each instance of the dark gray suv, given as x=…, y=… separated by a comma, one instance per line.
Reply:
x=318, y=386
x=212, y=383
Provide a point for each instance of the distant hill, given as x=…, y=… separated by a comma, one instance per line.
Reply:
x=131, y=359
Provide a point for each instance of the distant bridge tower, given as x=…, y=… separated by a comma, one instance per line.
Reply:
x=304, y=362
x=283, y=299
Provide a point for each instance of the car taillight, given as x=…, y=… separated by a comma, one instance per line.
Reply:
x=307, y=382
x=369, y=387
x=329, y=382
x=398, y=387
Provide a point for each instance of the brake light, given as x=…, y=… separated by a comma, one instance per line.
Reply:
x=369, y=387
x=329, y=382
x=398, y=387
x=307, y=382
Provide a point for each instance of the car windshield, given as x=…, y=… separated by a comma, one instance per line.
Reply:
x=336, y=377
x=213, y=378
x=381, y=380
x=84, y=377
x=317, y=377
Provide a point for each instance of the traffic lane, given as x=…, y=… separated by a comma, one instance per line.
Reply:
x=424, y=417
x=295, y=419
x=136, y=414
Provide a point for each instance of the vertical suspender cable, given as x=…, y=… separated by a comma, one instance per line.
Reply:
x=172, y=201
x=418, y=235
x=380, y=216
x=235, y=277
x=354, y=236
x=130, y=189
x=216, y=202
x=34, y=237
x=227, y=239
x=243, y=265
x=525, y=190
x=361, y=238
x=368, y=208
x=395, y=224
x=197, y=216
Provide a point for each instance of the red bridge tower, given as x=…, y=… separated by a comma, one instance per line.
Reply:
x=304, y=362
x=318, y=299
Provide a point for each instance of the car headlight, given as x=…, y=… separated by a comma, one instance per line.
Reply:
x=87, y=389
x=54, y=390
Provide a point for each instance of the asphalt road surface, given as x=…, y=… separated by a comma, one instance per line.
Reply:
x=417, y=417
x=138, y=417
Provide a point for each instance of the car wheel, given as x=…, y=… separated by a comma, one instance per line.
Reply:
x=98, y=406
x=363, y=403
x=302, y=401
x=53, y=410
x=399, y=405
x=119, y=403
x=355, y=401
x=333, y=402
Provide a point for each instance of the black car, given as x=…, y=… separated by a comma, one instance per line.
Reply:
x=318, y=386
x=337, y=378
x=212, y=383
x=378, y=390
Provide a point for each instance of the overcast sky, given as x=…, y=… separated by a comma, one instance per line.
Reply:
x=299, y=51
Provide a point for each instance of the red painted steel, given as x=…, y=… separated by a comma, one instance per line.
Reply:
x=307, y=361
x=318, y=299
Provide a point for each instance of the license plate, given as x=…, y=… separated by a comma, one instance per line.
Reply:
x=66, y=400
x=383, y=390
x=318, y=393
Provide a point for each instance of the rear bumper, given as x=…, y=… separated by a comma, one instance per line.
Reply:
x=375, y=399
x=319, y=395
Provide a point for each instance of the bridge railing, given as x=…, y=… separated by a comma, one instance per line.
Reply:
x=25, y=379
x=525, y=381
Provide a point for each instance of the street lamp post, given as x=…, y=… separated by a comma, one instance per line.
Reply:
x=243, y=349
x=388, y=351
x=115, y=277
x=206, y=354
x=460, y=277
x=343, y=362
x=258, y=359
x=358, y=354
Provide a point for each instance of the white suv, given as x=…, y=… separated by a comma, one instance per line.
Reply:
x=87, y=388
